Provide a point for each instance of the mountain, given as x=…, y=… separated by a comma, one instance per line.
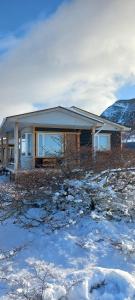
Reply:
x=121, y=112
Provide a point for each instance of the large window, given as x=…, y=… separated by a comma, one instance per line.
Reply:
x=26, y=144
x=102, y=142
x=50, y=144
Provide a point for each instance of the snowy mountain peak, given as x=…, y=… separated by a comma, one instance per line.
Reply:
x=122, y=112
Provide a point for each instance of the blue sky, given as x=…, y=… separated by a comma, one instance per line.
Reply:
x=16, y=14
x=65, y=52
x=126, y=92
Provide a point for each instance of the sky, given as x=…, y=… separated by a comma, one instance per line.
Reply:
x=66, y=52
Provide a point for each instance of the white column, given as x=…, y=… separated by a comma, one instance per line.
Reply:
x=93, y=144
x=33, y=147
x=2, y=151
x=16, y=147
x=78, y=148
x=121, y=140
x=6, y=151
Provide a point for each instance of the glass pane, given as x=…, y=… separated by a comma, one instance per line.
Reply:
x=53, y=144
x=104, y=142
x=29, y=144
x=23, y=146
x=41, y=145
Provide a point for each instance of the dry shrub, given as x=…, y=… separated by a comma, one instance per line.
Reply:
x=86, y=159
x=36, y=178
x=117, y=158
x=47, y=178
x=74, y=165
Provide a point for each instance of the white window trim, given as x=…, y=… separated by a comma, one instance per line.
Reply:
x=98, y=148
x=26, y=139
x=44, y=133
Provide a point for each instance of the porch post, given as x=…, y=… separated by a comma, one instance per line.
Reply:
x=33, y=147
x=16, y=147
x=6, y=151
x=121, y=137
x=2, y=151
x=93, y=144
x=78, y=148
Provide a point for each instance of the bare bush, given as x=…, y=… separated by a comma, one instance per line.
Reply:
x=35, y=283
x=73, y=165
x=116, y=158
x=36, y=178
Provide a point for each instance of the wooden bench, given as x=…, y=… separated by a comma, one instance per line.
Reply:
x=49, y=162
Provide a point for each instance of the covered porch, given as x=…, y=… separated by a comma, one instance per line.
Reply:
x=40, y=147
x=40, y=139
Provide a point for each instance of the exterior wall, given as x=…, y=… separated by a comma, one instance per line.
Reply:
x=86, y=148
x=77, y=145
x=86, y=138
x=109, y=158
x=87, y=152
x=116, y=140
x=72, y=148
x=99, y=159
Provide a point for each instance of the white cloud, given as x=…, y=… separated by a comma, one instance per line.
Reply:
x=79, y=56
x=6, y=43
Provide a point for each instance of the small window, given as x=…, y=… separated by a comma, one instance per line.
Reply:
x=23, y=145
x=26, y=144
x=102, y=142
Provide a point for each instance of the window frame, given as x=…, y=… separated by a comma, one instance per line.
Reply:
x=43, y=134
x=26, y=153
x=98, y=147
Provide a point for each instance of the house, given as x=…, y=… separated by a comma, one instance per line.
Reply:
x=37, y=138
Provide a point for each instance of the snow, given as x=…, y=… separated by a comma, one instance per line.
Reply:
x=106, y=285
x=85, y=255
x=4, y=178
x=121, y=111
x=90, y=257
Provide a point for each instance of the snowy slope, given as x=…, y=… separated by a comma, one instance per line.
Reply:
x=73, y=254
x=122, y=112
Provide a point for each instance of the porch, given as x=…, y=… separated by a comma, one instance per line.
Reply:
x=39, y=147
x=42, y=139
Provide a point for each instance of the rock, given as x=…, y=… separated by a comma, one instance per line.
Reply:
x=92, y=205
x=70, y=198
x=81, y=212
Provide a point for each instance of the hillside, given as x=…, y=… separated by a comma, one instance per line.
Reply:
x=122, y=112
x=75, y=243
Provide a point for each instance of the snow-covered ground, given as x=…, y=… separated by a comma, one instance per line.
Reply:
x=83, y=250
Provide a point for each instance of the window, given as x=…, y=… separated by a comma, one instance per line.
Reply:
x=26, y=144
x=50, y=144
x=102, y=142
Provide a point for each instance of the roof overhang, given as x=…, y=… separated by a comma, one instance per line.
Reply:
x=100, y=119
x=58, y=117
